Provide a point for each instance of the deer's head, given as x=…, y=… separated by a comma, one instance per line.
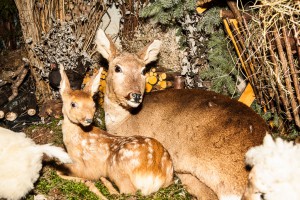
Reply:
x=78, y=105
x=126, y=73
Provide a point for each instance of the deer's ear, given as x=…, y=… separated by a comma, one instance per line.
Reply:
x=150, y=52
x=64, y=83
x=105, y=46
x=93, y=85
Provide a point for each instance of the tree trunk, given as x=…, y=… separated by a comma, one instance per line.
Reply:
x=58, y=32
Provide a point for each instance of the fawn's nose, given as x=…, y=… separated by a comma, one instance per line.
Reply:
x=89, y=121
x=137, y=97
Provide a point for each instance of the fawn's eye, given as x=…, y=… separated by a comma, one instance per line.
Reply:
x=118, y=69
x=73, y=104
x=144, y=72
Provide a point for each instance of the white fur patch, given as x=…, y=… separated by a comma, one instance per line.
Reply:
x=83, y=143
x=147, y=183
x=150, y=149
x=133, y=104
x=135, y=162
x=127, y=153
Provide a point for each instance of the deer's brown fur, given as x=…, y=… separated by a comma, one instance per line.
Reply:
x=207, y=134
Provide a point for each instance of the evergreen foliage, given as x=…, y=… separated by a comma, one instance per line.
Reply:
x=214, y=47
x=211, y=21
x=167, y=12
x=221, y=71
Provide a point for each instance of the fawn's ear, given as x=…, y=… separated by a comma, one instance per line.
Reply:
x=93, y=85
x=64, y=83
x=150, y=52
x=105, y=46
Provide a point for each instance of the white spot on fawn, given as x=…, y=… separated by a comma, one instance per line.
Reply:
x=93, y=135
x=150, y=158
x=134, y=162
x=135, y=145
x=92, y=141
x=128, y=153
x=150, y=149
x=147, y=183
x=83, y=143
x=148, y=141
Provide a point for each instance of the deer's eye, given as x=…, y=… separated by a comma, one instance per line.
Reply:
x=118, y=69
x=73, y=104
x=144, y=71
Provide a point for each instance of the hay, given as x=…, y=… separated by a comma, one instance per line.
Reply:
x=270, y=46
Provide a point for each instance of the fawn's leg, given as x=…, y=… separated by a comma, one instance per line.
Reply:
x=109, y=186
x=89, y=184
x=197, y=188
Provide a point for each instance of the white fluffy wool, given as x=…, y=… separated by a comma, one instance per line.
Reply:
x=276, y=169
x=21, y=161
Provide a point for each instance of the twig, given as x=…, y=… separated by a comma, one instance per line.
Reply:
x=17, y=83
x=280, y=86
x=287, y=77
x=291, y=62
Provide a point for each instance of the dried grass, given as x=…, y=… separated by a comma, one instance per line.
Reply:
x=170, y=54
x=269, y=39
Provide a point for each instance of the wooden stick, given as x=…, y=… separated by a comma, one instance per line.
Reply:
x=287, y=77
x=240, y=49
x=257, y=61
x=232, y=5
x=229, y=14
x=16, y=84
x=279, y=83
x=297, y=39
x=291, y=62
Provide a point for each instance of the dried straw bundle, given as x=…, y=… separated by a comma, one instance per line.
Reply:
x=270, y=46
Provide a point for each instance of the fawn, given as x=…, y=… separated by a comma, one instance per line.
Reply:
x=132, y=163
x=207, y=134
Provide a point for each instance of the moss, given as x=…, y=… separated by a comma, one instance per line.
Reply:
x=50, y=184
x=54, y=187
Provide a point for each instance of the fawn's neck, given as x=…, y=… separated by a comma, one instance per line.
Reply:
x=115, y=114
x=72, y=133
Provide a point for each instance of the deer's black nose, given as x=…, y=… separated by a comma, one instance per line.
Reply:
x=136, y=97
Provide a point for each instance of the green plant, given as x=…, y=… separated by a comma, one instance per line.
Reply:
x=168, y=12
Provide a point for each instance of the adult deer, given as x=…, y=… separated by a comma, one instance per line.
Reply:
x=207, y=134
x=132, y=163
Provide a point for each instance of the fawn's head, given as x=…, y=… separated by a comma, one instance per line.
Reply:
x=78, y=105
x=126, y=73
